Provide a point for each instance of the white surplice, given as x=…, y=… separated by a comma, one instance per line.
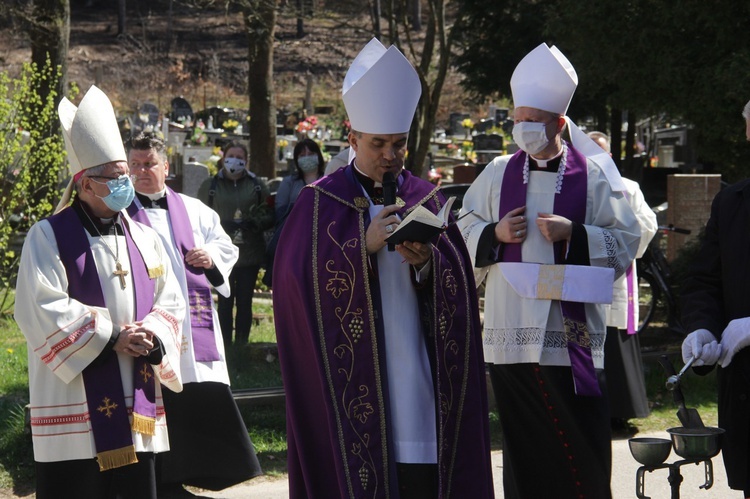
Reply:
x=618, y=312
x=519, y=330
x=64, y=336
x=210, y=236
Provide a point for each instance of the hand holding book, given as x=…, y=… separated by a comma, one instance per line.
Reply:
x=421, y=225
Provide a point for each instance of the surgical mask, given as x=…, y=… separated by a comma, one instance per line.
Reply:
x=531, y=137
x=234, y=165
x=308, y=163
x=121, y=193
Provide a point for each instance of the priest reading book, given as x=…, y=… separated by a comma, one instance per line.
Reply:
x=421, y=225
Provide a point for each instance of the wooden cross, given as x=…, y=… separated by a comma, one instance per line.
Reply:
x=107, y=406
x=121, y=274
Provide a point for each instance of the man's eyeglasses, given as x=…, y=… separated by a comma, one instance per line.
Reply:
x=102, y=176
x=116, y=181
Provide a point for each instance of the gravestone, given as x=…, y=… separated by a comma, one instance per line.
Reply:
x=689, y=198
x=455, y=126
x=193, y=175
x=181, y=112
x=464, y=174
x=147, y=116
x=487, y=147
x=488, y=142
x=484, y=125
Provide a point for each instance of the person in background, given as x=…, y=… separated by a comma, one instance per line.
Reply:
x=241, y=200
x=309, y=164
x=549, y=228
x=716, y=311
x=101, y=311
x=380, y=350
x=308, y=167
x=623, y=365
x=202, y=255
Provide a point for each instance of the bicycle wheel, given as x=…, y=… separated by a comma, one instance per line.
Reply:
x=648, y=298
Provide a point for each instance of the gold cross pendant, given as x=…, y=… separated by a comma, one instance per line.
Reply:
x=121, y=274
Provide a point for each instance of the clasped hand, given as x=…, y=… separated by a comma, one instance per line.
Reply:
x=135, y=340
x=199, y=258
x=512, y=228
x=414, y=253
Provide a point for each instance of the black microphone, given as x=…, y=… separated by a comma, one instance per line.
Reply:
x=389, y=196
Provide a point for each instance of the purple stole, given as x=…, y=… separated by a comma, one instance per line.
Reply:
x=104, y=393
x=199, y=289
x=571, y=204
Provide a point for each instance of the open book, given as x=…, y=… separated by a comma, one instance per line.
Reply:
x=421, y=224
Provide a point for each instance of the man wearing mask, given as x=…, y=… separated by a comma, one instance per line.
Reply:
x=380, y=350
x=549, y=229
x=101, y=311
x=202, y=255
x=241, y=200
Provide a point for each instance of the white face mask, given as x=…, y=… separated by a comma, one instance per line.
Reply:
x=234, y=167
x=531, y=137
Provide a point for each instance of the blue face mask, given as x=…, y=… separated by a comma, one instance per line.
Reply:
x=121, y=193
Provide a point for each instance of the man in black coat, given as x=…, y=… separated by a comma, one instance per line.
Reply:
x=715, y=306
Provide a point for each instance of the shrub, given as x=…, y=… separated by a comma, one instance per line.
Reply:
x=32, y=161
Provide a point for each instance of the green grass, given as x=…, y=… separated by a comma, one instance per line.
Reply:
x=16, y=455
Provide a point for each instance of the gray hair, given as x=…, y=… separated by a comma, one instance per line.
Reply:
x=93, y=171
x=746, y=111
x=596, y=136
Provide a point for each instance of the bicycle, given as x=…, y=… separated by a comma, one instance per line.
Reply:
x=653, y=270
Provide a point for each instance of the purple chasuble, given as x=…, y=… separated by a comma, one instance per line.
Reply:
x=104, y=393
x=199, y=291
x=570, y=203
x=332, y=352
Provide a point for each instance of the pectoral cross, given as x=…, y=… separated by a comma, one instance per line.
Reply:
x=121, y=274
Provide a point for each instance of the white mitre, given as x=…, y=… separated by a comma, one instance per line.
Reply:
x=381, y=90
x=545, y=79
x=91, y=135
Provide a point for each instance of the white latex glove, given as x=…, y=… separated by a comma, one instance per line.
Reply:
x=702, y=345
x=735, y=337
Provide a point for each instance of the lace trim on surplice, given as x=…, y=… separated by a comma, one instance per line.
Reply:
x=531, y=338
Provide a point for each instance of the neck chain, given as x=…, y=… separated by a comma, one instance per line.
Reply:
x=560, y=170
x=118, y=272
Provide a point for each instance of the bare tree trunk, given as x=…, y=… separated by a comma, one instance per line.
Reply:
x=169, y=28
x=300, y=19
x=416, y=15
x=49, y=32
x=376, y=18
x=120, y=17
x=435, y=55
x=260, y=23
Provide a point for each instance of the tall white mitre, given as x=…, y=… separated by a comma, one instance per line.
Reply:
x=381, y=90
x=91, y=135
x=545, y=79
